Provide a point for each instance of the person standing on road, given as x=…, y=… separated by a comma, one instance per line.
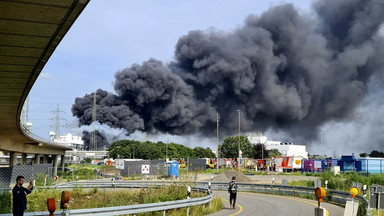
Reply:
x=19, y=194
x=232, y=190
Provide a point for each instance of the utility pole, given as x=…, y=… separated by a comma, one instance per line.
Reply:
x=262, y=151
x=239, y=135
x=217, y=137
x=166, y=153
x=93, y=139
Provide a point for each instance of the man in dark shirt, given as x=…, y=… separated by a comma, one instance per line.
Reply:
x=232, y=190
x=19, y=194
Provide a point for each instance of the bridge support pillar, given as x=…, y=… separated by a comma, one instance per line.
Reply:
x=62, y=162
x=55, y=163
x=45, y=160
x=23, y=159
x=12, y=159
x=37, y=159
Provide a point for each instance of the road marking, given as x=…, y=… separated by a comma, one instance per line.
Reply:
x=240, y=210
x=303, y=201
x=327, y=212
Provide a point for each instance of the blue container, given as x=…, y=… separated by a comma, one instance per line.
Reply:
x=173, y=168
x=372, y=165
x=347, y=163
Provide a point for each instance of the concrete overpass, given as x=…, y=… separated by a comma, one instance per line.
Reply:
x=30, y=31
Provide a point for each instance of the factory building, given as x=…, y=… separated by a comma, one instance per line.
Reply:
x=75, y=142
x=285, y=148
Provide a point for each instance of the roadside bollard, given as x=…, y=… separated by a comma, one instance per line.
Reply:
x=188, y=192
x=326, y=184
x=209, y=188
x=364, y=190
x=320, y=194
x=273, y=180
x=64, y=203
x=351, y=207
x=188, y=197
x=51, y=205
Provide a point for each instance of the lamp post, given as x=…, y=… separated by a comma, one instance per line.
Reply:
x=166, y=151
x=239, y=135
x=217, y=138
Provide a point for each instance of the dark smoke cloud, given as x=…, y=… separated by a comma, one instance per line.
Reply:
x=102, y=142
x=281, y=70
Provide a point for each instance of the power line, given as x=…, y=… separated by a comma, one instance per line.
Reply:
x=57, y=119
x=93, y=140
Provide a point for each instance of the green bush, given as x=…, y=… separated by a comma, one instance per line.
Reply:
x=6, y=203
x=82, y=173
x=40, y=178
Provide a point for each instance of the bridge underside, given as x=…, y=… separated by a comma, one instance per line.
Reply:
x=30, y=31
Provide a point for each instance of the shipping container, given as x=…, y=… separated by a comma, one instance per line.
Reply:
x=287, y=163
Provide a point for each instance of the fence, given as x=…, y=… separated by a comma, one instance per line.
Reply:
x=156, y=167
x=196, y=164
x=336, y=196
x=30, y=172
x=131, y=209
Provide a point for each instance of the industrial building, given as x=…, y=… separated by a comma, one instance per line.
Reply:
x=78, y=156
x=285, y=148
x=74, y=142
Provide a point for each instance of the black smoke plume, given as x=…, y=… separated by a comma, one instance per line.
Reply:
x=102, y=142
x=281, y=70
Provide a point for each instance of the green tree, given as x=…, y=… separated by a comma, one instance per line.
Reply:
x=151, y=150
x=363, y=154
x=200, y=152
x=376, y=153
x=230, y=147
x=274, y=153
x=260, y=151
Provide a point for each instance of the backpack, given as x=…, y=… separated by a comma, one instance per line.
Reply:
x=232, y=188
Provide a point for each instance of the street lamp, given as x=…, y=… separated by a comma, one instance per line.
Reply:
x=217, y=136
x=166, y=152
x=239, y=134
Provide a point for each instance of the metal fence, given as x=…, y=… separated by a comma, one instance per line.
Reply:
x=336, y=196
x=130, y=209
x=196, y=164
x=30, y=172
x=156, y=167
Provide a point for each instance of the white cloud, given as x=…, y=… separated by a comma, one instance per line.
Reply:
x=46, y=76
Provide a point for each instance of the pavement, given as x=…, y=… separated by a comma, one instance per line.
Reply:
x=257, y=204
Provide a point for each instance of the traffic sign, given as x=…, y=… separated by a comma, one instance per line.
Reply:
x=144, y=169
x=119, y=164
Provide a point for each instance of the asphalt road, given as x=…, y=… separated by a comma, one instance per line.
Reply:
x=272, y=205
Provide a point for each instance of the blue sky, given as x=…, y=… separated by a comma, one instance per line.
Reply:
x=112, y=35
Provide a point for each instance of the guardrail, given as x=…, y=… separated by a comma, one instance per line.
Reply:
x=339, y=197
x=130, y=209
x=29, y=133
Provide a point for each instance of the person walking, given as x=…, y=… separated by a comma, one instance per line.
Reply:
x=232, y=190
x=19, y=194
